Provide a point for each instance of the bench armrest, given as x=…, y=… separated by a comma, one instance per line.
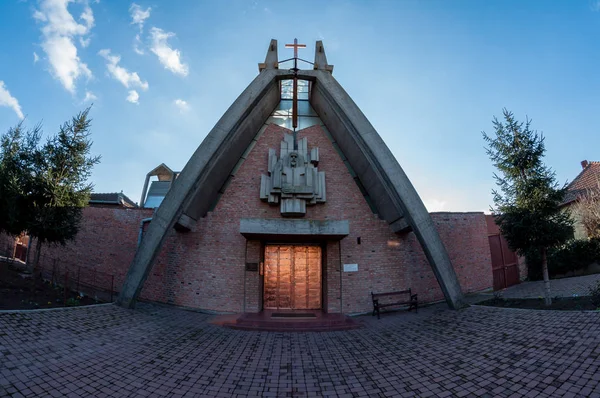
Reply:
x=413, y=296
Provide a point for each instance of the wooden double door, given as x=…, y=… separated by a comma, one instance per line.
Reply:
x=505, y=264
x=292, y=277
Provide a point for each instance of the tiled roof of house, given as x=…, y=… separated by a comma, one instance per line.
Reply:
x=588, y=179
x=112, y=198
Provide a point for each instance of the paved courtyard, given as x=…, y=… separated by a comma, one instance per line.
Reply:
x=566, y=287
x=159, y=351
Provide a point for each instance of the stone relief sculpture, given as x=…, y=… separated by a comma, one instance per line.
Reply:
x=294, y=180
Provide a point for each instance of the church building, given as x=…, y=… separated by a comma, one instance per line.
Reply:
x=294, y=202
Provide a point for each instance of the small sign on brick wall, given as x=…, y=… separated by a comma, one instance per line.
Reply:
x=253, y=267
x=350, y=267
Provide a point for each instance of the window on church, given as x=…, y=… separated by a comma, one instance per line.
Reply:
x=287, y=89
x=282, y=115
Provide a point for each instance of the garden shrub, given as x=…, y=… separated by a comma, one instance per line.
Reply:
x=72, y=302
x=574, y=255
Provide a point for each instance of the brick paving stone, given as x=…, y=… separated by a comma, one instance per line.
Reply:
x=161, y=351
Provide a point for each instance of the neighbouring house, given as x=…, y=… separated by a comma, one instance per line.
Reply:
x=588, y=181
x=160, y=179
x=112, y=199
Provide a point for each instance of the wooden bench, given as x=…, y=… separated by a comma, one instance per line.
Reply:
x=403, y=297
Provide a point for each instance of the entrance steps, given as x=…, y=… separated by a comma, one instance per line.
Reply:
x=288, y=321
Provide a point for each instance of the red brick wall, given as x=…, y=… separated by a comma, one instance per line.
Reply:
x=105, y=245
x=252, y=283
x=206, y=268
x=465, y=238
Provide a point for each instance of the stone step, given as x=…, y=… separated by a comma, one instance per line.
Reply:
x=264, y=322
x=281, y=328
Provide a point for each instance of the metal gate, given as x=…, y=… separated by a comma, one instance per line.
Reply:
x=505, y=264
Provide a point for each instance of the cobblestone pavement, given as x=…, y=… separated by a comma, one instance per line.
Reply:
x=566, y=287
x=160, y=351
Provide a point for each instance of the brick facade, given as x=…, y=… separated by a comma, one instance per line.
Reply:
x=205, y=268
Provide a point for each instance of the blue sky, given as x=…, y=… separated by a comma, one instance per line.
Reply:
x=429, y=75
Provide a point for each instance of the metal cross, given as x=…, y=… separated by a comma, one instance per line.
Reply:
x=295, y=46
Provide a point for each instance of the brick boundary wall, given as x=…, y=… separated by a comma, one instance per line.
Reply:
x=104, y=246
x=466, y=240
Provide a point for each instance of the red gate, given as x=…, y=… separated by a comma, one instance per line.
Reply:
x=505, y=264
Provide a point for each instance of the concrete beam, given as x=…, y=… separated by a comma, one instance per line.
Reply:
x=271, y=60
x=400, y=226
x=260, y=228
x=185, y=223
x=321, y=58
x=382, y=176
x=208, y=168
x=240, y=132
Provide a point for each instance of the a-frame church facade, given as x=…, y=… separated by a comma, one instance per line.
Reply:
x=293, y=201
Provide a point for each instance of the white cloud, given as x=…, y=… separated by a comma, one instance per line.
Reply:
x=89, y=97
x=435, y=205
x=58, y=33
x=133, y=97
x=8, y=100
x=35, y=57
x=182, y=105
x=128, y=79
x=139, y=16
x=87, y=16
x=136, y=45
x=170, y=58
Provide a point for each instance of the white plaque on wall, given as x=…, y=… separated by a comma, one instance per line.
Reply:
x=350, y=267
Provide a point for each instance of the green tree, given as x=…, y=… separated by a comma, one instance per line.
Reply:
x=527, y=202
x=47, y=185
x=17, y=149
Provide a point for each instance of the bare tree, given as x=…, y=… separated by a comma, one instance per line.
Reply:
x=587, y=210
